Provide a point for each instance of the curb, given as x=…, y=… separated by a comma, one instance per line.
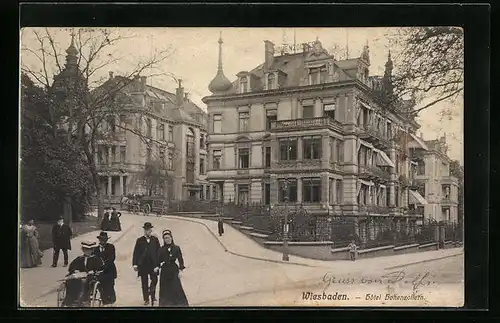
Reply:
x=424, y=261
x=238, y=254
x=53, y=290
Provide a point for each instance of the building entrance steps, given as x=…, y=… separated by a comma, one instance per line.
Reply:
x=240, y=244
x=32, y=287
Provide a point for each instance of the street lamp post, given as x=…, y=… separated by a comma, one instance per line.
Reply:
x=285, y=227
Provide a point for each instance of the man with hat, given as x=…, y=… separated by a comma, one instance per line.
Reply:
x=77, y=289
x=106, y=251
x=61, y=240
x=145, y=260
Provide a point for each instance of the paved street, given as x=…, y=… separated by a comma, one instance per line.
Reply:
x=215, y=277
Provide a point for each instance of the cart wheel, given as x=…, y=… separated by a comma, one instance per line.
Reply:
x=95, y=299
x=136, y=209
x=61, y=294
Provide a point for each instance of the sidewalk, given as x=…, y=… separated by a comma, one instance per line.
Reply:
x=36, y=282
x=239, y=244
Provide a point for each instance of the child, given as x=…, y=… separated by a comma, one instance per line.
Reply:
x=353, y=249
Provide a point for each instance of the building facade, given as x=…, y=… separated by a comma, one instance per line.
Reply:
x=431, y=169
x=152, y=127
x=313, y=121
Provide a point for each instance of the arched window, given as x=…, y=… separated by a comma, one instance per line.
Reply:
x=190, y=156
x=271, y=84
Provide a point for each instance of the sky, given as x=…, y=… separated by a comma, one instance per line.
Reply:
x=193, y=56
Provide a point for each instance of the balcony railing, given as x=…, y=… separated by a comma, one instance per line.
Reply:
x=310, y=123
x=449, y=180
x=371, y=133
x=372, y=172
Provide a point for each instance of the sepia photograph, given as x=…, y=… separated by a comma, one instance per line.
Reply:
x=241, y=167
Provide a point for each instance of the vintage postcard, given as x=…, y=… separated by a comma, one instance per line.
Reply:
x=220, y=167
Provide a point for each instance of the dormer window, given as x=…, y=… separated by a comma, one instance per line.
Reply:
x=318, y=75
x=244, y=84
x=271, y=81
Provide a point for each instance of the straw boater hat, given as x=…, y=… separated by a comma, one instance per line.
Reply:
x=103, y=235
x=88, y=244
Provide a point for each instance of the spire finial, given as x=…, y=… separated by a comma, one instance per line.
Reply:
x=220, y=83
x=71, y=58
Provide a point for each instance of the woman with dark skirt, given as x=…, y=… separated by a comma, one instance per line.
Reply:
x=171, y=291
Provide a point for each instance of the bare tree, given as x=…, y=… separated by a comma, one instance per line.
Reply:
x=77, y=101
x=429, y=64
x=159, y=171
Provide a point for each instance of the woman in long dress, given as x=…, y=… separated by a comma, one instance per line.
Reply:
x=171, y=291
x=31, y=256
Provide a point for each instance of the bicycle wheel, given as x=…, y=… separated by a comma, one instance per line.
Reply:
x=95, y=297
x=61, y=294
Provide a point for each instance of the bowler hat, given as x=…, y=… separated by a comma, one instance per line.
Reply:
x=147, y=225
x=103, y=235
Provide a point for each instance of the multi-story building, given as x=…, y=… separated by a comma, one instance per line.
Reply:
x=147, y=124
x=315, y=122
x=431, y=169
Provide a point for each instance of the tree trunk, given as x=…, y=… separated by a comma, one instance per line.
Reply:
x=67, y=209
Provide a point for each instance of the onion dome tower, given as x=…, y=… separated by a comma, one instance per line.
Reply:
x=220, y=83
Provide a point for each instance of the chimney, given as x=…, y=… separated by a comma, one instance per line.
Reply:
x=110, y=75
x=186, y=96
x=305, y=48
x=143, y=82
x=179, y=94
x=269, y=54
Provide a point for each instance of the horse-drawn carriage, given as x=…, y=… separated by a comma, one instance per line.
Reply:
x=154, y=204
x=146, y=204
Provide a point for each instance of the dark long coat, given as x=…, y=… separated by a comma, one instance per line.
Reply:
x=171, y=291
x=145, y=255
x=61, y=236
x=108, y=256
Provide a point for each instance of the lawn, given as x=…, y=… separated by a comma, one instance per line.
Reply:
x=81, y=227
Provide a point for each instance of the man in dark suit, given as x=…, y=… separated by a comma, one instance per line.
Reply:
x=145, y=261
x=61, y=240
x=106, y=251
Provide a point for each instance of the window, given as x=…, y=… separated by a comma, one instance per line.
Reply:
x=268, y=157
x=243, y=84
x=291, y=193
x=243, y=195
x=288, y=149
x=312, y=147
x=323, y=76
x=149, y=129
x=190, y=143
x=149, y=153
x=396, y=190
x=271, y=115
x=217, y=123
x=389, y=130
x=123, y=123
x=339, y=191
x=421, y=168
x=314, y=76
x=329, y=110
x=331, y=197
x=170, y=133
x=267, y=193
x=271, y=81
x=162, y=156
x=101, y=155
x=202, y=141
x=113, y=154
x=202, y=166
x=311, y=190
x=243, y=158
x=170, y=161
x=388, y=196
x=446, y=191
x=217, y=154
x=340, y=151
x=111, y=123
x=160, y=131
x=123, y=154
x=308, y=112
x=243, y=121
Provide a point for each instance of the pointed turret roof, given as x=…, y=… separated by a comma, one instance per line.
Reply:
x=220, y=83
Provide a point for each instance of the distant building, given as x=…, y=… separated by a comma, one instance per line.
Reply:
x=431, y=168
x=319, y=124
x=162, y=126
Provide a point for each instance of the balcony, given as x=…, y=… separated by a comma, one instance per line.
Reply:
x=298, y=164
x=447, y=201
x=374, y=136
x=311, y=123
x=449, y=180
x=373, y=173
